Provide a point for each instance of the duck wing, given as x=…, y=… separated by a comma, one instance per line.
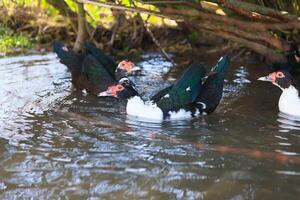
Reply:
x=184, y=91
x=97, y=76
x=212, y=89
x=67, y=57
x=102, y=58
x=161, y=93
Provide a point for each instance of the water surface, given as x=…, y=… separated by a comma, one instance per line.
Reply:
x=59, y=144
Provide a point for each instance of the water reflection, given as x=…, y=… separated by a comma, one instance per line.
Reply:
x=56, y=143
x=288, y=122
x=30, y=85
x=241, y=75
x=154, y=69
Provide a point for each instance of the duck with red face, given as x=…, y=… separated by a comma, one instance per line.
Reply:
x=124, y=89
x=117, y=71
x=92, y=70
x=196, y=92
x=126, y=68
x=289, y=101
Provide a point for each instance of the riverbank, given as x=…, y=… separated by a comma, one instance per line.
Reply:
x=31, y=31
x=26, y=29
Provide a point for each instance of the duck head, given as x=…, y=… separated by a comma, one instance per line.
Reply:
x=125, y=89
x=126, y=68
x=282, y=79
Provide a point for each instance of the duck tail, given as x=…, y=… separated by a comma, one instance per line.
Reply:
x=67, y=57
x=222, y=65
x=57, y=46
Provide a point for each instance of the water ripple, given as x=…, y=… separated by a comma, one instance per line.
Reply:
x=59, y=144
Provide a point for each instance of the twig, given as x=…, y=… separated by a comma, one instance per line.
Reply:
x=178, y=15
x=257, y=47
x=249, y=14
x=153, y=37
x=250, y=7
x=157, y=42
x=132, y=9
x=90, y=29
x=265, y=37
x=161, y=2
x=251, y=26
x=115, y=30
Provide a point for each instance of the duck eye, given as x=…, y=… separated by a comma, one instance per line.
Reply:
x=119, y=87
x=280, y=75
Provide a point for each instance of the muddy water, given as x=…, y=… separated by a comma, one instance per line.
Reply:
x=59, y=144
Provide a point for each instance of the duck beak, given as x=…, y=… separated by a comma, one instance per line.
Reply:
x=135, y=69
x=265, y=78
x=105, y=94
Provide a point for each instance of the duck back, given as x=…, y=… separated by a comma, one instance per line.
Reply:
x=107, y=62
x=184, y=91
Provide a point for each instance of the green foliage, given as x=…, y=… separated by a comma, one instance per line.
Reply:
x=72, y=5
x=10, y=41
x=99, y=16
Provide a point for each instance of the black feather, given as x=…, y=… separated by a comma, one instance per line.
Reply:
x=97, y=76
x=212, y=89
x=106, y=61
x=184, y=90
x=69, y=58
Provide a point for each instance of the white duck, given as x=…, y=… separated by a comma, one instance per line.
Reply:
x=289, y=101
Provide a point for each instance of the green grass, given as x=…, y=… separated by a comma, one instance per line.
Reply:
x=10, y=42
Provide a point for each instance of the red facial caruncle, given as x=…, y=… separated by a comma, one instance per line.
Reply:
x=114, y=89
x=126, y=65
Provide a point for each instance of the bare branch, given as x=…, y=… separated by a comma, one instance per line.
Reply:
x=132, y=9
x=269, y=53
x=153, y=37
x=254, y=8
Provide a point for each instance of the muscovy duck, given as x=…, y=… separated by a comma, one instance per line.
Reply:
x=289, y=101
x=98, y=79
x=124, y=89
x=194, y=93
x=123, y=69
x=92, y=70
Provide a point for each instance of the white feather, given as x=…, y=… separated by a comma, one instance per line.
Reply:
x=138, y=108
x=289, y=101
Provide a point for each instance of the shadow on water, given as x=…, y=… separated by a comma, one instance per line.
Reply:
x=60, y=144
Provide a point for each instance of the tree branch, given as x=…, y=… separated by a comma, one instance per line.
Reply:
x=82, y=34
x=270, y=54
x=242, y=5
x=65, y=11
x=132, y=9
x=253, y=36
x=153, y=37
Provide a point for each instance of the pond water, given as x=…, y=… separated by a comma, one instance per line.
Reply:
x=59, y=144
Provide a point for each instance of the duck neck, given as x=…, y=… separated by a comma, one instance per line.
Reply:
x=290, y=91
x=289, y=101
x=289, y=96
